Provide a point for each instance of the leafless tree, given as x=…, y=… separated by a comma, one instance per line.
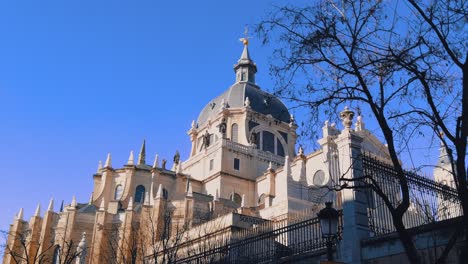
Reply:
x=160, y=239
x=405, y=61
x=22, y=253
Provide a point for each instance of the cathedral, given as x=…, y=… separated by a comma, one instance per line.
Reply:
x=244, y=168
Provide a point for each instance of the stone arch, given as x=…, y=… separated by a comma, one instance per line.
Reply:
x=277, y=135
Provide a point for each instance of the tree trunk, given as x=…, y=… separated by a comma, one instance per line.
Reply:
x=405, y=238
x=461, y=154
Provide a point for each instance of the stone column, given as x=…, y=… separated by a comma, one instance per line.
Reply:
x=35, y=225
x=47, y=238
x=14, y=235
x=354, y=201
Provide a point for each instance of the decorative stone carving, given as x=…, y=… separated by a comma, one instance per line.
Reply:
x=176, y=158
x=300, y=151
x=253, y=139
x=222, y=128
x=206, y=139
x=247, y=102
x=81, y=250
x=347, y=117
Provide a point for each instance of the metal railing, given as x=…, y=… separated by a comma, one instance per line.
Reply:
x=265, y=242
x=430, y=201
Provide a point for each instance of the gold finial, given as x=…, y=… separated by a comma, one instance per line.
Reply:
x=245, y=39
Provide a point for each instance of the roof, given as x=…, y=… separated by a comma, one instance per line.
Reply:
x=260, y=101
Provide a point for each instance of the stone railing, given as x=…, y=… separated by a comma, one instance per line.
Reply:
x=234, y=146
x=249, y=150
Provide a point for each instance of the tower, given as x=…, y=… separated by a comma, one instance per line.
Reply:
x=238, y=134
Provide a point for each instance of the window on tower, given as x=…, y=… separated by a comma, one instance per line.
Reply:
x=236, y=164
x=234, y=132
x=268, y=142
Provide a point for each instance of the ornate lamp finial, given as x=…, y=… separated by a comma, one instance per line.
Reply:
x=347, y=117
x=245, y=39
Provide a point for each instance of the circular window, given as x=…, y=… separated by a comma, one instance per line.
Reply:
x=319, y=178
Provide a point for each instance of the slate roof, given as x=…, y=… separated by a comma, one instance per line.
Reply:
x=260, y=101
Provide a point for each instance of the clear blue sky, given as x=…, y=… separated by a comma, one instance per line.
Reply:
x=79, y=79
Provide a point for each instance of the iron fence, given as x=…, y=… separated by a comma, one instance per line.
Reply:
x=430, y=201
x=266, y=242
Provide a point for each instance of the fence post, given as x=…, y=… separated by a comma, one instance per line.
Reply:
x=354, y=201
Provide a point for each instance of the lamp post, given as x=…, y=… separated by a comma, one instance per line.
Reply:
x=328, y=217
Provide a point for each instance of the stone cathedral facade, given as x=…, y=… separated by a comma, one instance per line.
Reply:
x=244, y=168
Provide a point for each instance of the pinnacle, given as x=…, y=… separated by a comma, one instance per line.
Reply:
x=108, y=161
x=20, y=214
x=156, y=161
x=38, y=210
x=131, y=159
x=51, y=206
x=142, y=155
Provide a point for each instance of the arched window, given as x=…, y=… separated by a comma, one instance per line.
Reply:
x=165, y=193
x=118, y=192
x=234, y=132
x=261, y=199
x=56, y=258
x=237, y=199
x=268, y=142
x=140, y=194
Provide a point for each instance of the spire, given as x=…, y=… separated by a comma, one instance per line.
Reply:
x=146, y=202
x=61, y=207
x=156, y=161
x=91, y=199
x=130, y=204
x=38, y=210
x=151, y=190
x=108, y=161
x=73, y=202
x=131, y=159
x=444, y=159
x=159, y=194
x=245, y=68
x=102, y=207
x=19, y=216
x=189, y=190
x=142, y=155
x=51, y=206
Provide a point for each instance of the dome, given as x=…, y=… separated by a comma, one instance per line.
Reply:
x=260, y=101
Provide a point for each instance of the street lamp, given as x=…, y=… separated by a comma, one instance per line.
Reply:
x=328, y=217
